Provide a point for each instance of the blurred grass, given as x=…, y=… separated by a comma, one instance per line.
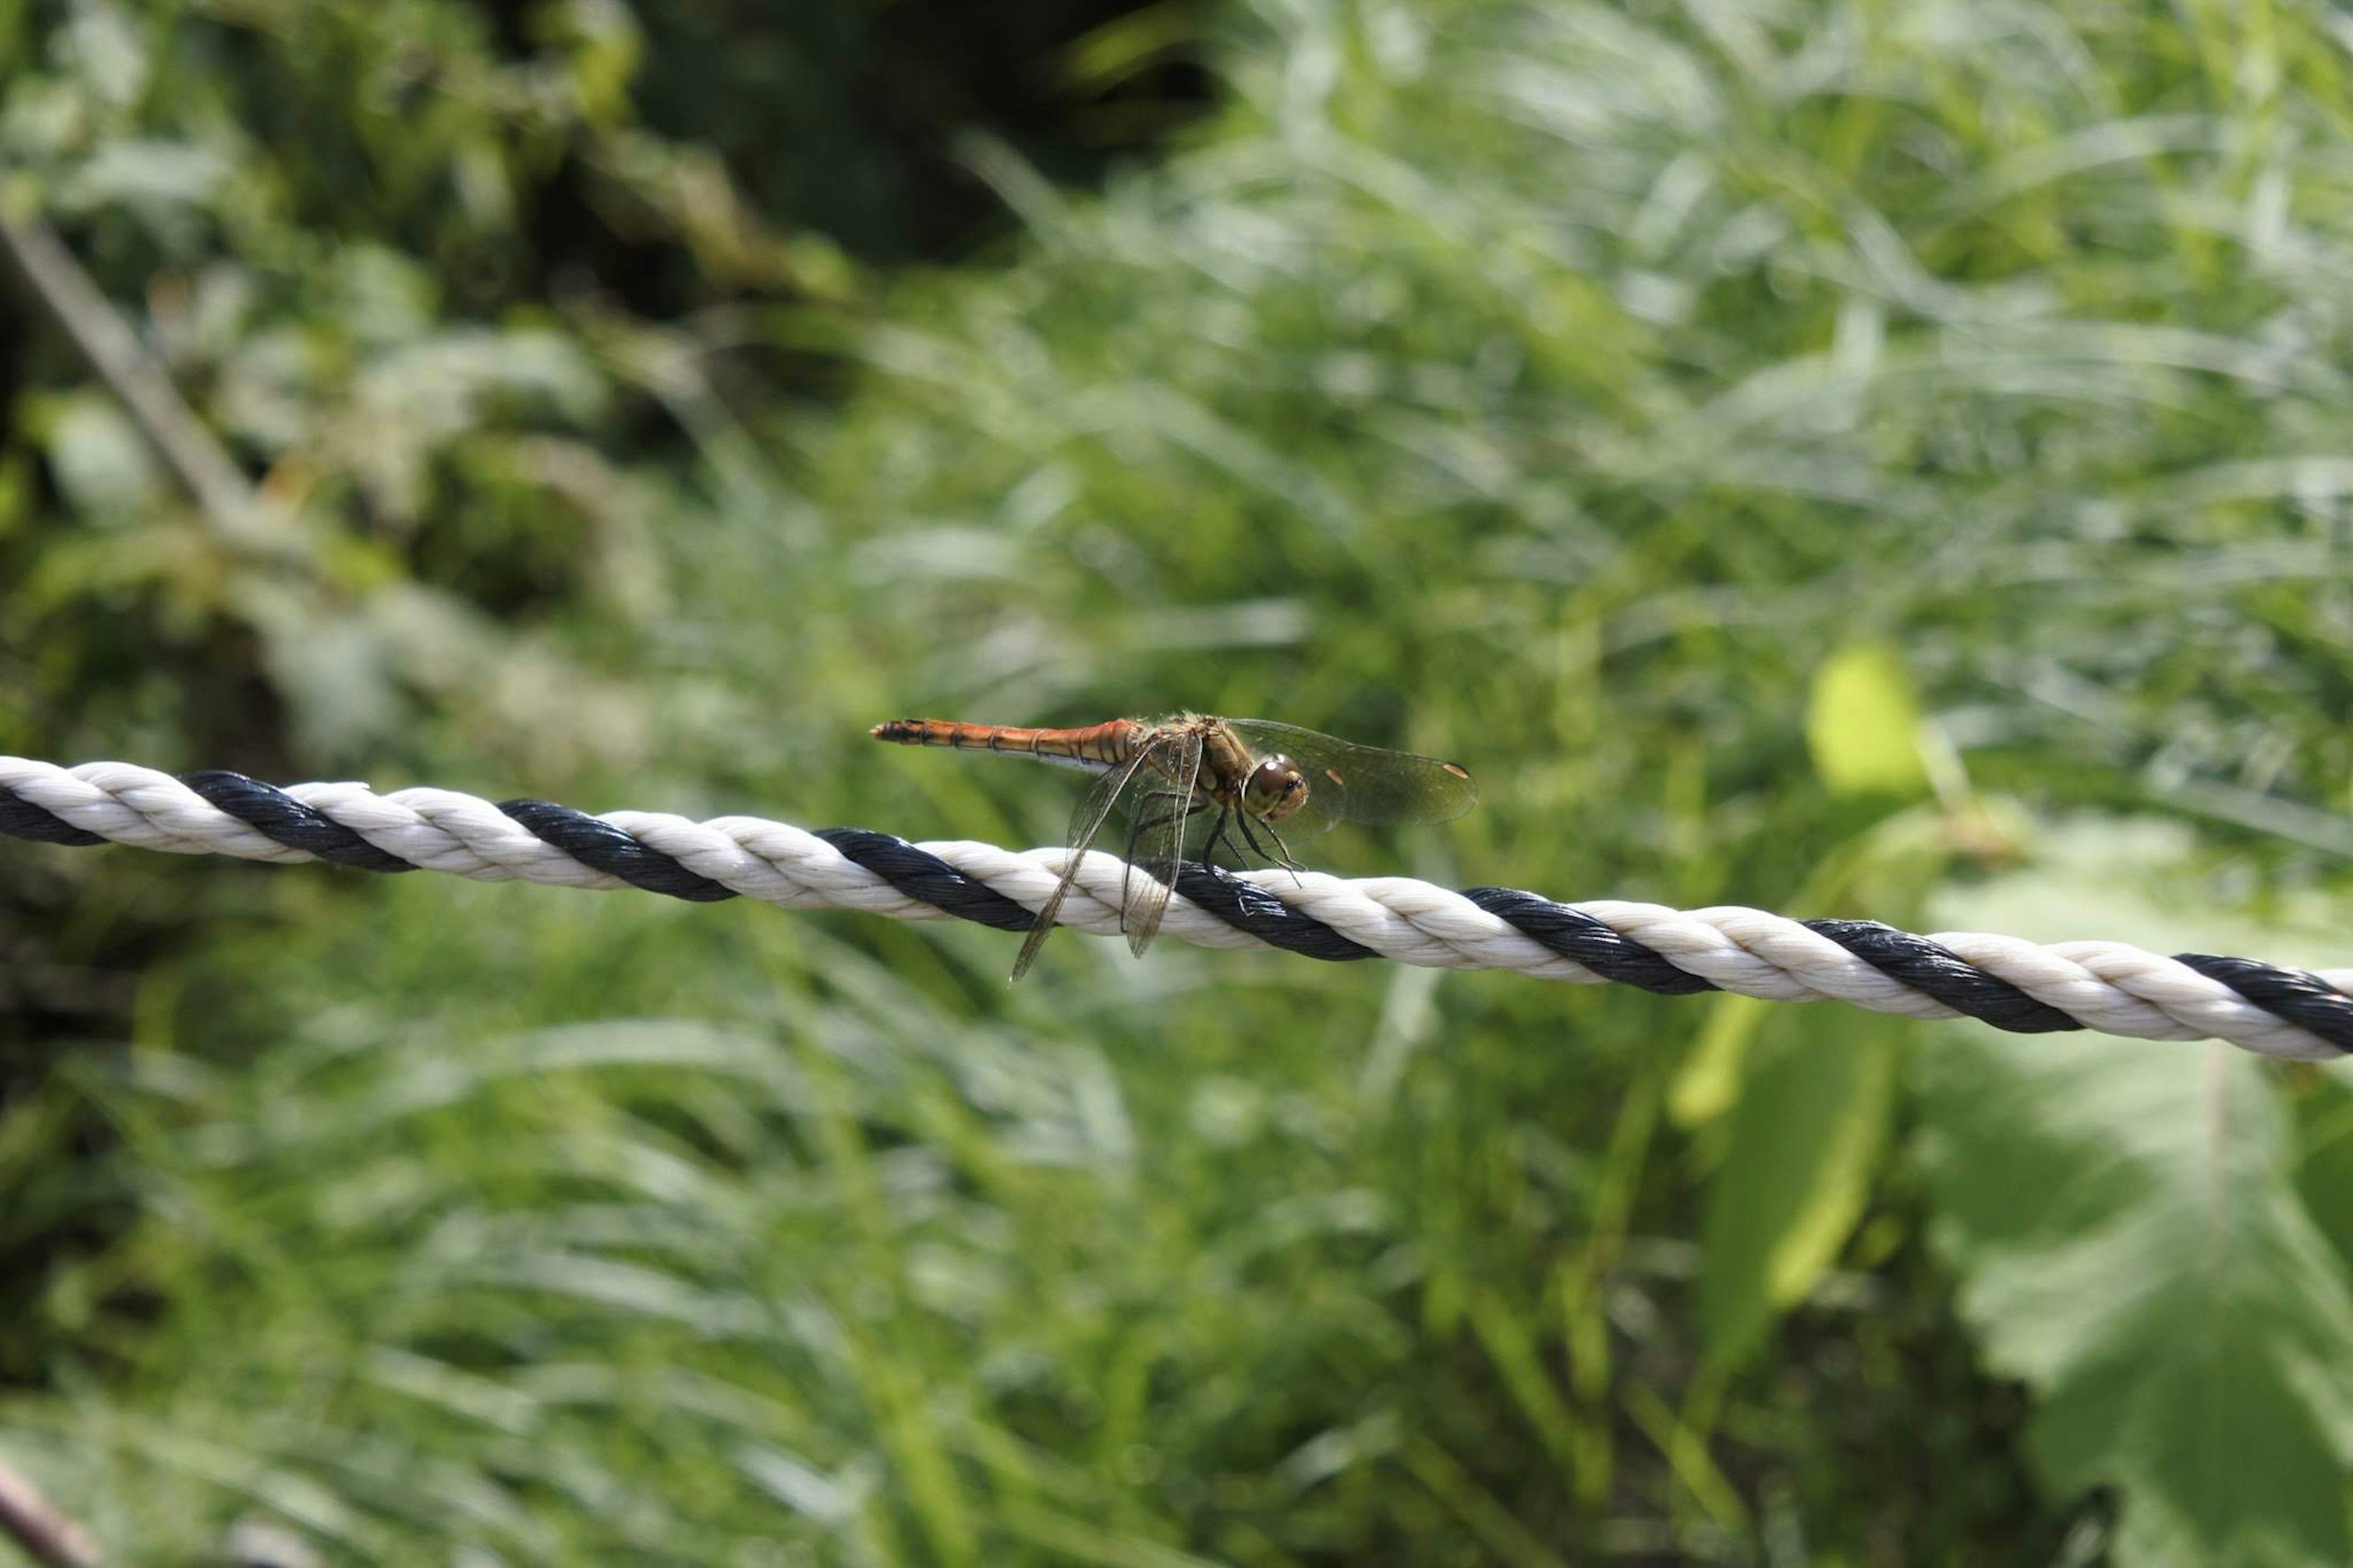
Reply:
x=1555, y=386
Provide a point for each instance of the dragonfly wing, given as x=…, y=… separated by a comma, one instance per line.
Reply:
x=1364, y=784
x=1160, y=837
x=1094, y=809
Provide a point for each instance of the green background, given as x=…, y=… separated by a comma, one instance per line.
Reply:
x=1842, y=458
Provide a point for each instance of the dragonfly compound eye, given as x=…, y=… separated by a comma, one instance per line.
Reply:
x=1275, y=789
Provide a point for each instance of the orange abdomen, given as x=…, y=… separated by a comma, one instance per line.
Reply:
x=1102, y=745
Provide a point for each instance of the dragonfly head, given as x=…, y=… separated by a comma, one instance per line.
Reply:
x=1275, y=789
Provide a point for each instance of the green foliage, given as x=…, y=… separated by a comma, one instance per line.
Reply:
x=2132, y=1244
x=1568, y=389
x=332, y=222
x=2131, y=1248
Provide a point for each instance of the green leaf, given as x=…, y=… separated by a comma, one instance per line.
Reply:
x=1805, y=1135
x=1864, y=725
x=98, y=459
x=2130, y=1247
x=146, y=176
x=2130, y=1241
x=1708, y=1082
x=2323, y=1167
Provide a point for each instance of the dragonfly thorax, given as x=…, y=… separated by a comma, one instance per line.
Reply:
x=1275, y=789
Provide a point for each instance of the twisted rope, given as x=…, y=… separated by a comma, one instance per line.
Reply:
x=2011, y=983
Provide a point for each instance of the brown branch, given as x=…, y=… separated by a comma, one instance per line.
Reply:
x=114, y=353
x=47, y=1536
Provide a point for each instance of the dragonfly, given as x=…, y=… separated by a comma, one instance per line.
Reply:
x=1252, y=776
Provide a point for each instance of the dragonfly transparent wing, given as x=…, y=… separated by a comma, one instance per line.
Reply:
x=1158, y=817
x=1364, y=784
x=1094, y=809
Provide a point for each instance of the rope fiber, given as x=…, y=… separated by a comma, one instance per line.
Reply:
x=2011, y=983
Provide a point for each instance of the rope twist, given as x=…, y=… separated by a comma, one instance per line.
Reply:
x=2011, y=983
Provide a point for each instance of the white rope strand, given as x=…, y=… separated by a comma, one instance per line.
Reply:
x=2103, y=986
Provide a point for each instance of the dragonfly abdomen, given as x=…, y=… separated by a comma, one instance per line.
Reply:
x=1095, y=746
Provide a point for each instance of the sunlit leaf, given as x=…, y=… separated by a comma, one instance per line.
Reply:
x=1709, y=1080
x=1862, y=723
x=1805, y=1137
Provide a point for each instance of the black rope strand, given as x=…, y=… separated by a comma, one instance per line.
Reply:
x=596, y=843
x=1245, y=906
x=281, y=818
x=2297, y=995
x=1249, y=908
x=20, y=818
x=925, y=878
x=1941, y=973
x=2293, y=995
x=1578, y=936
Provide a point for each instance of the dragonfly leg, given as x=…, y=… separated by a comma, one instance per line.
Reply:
x=1256, y=848
x=1218, y=830
x=1146, y=818
x=1283, y=852
x=1281, y=857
